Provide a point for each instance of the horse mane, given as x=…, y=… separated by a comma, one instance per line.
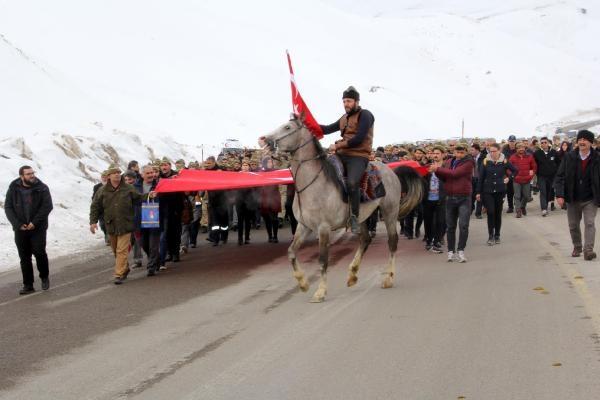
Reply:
x=328, y=169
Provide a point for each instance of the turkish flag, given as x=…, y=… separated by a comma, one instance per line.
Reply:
x=300, y=108
x=191, y=180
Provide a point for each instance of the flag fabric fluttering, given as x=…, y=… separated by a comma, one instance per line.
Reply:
x=300, y=108
x=191, y=180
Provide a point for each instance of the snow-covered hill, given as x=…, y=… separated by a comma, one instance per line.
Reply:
x=76, y=75
x=71, y=165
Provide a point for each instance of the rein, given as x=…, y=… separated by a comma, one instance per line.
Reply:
x=300, y=163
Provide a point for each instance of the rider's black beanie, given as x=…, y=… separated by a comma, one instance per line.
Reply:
x=351, y=93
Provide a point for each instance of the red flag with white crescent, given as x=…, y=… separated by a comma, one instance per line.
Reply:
x=300, y=107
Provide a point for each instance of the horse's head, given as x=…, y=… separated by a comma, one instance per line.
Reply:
x=285, y=139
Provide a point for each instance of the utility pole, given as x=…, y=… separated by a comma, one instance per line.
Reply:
x=462, y=134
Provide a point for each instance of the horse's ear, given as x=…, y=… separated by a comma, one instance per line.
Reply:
x=301, y=116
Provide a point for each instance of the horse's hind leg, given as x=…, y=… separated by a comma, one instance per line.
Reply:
x=301, y=234
x=365, y=240
x=324, y=231
x=390, y=270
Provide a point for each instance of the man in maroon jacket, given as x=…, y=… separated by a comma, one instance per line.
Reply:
x=527, y=167
x=456, y=173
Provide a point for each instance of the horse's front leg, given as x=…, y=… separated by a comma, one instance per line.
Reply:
x=301, y=234
x=324, y=231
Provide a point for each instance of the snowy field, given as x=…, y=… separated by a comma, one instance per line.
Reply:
x=88, y=83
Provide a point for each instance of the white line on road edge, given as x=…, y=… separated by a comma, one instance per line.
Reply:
x=591, y=304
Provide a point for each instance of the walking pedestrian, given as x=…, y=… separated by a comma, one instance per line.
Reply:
x=509, y=150
x=525, y=164
x=577, y=183
x=456, y=174
x=27, y=206
x=491, y=188
x=434, y=205
x=546, y=159
x=270, y=205
x=116, y=200
x=476, y=154
x=245, y=205
x=149, y=237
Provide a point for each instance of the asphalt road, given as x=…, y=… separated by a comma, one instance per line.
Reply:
x=229, y=323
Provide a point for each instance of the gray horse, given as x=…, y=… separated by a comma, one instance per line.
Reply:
x=319, y=207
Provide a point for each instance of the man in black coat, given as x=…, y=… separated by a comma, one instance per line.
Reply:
x=171, y=207
x=27, y=206
x=578, y=184
x=546, y=159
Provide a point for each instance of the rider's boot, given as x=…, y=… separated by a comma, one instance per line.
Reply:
x=354, y=226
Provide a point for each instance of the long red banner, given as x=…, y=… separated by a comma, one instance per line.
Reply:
x=191, y=180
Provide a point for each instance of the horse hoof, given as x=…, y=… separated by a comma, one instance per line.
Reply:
x=352, y=280
x=387, y=283
x=317, y=299
x=304, y=286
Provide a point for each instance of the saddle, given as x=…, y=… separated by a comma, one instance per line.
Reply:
x=371, y=184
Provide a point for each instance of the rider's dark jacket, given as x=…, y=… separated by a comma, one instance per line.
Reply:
x=357, y=133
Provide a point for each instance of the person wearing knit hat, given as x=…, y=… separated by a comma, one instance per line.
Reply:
x=354, y=147
x=165, y=160
x=577, y=183
x=180, y=164
x=586, y=135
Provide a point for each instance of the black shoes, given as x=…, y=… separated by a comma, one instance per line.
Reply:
x=436, y=248
x=26, y=290
x=151, y=272
x=510, y=211
x=118, y=280
x=45, y=284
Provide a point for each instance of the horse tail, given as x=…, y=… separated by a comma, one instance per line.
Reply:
x=412, y=189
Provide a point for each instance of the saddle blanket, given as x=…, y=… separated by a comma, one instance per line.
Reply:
x=371, y=184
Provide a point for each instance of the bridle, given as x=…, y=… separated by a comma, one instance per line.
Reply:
x=301, y=162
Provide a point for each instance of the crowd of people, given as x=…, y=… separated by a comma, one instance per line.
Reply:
x=464, y=178
x=118, y=201
x=477, y=177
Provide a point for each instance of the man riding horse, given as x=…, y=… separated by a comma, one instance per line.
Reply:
x=354, y=148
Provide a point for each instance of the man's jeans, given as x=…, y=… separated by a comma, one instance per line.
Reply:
x=458, y=209
x=522, y=194
x=546, y=190
x=575, y=211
